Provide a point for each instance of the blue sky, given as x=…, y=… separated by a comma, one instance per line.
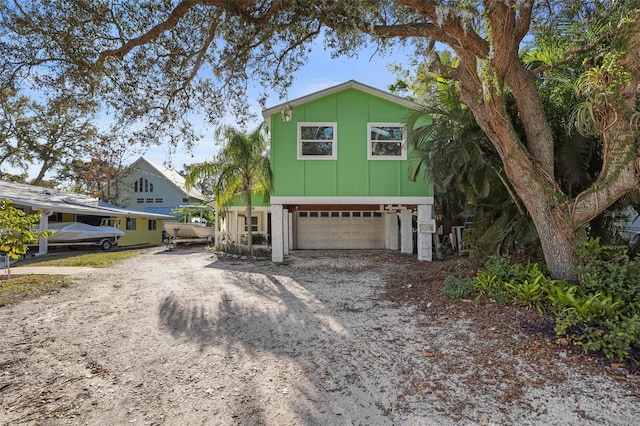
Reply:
x=320, y=72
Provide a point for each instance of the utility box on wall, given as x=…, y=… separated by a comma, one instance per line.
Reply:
x=427, y=226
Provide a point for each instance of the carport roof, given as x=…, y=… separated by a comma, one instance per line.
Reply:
x=40, y=198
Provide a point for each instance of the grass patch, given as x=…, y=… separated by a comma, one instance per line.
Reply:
x=16, y=289
x=93, y=260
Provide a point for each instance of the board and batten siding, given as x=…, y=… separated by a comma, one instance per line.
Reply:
x=351, y=174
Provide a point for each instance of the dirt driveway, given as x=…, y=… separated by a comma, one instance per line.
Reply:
x=184, y=338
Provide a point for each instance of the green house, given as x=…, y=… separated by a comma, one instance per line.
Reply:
x=340, y=174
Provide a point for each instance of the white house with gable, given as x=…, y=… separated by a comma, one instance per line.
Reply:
x=151, y=187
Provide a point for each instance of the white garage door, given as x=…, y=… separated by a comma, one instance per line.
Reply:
x=339, y=230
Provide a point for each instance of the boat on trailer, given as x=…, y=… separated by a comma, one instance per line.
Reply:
x=189, y=230
x=77, y=233
x=192, y=229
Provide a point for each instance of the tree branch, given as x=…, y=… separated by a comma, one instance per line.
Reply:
x=523, y=20
x=620, y=175
x=201, y=52
x=571, y=56
x=172, y=20
x=449, y=29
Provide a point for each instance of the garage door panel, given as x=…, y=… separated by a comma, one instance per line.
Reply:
x=339, y=230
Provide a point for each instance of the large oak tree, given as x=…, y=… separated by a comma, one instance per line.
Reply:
x=152, y=61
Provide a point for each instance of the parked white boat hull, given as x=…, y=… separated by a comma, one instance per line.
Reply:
x=188, y=230
x=69, y=232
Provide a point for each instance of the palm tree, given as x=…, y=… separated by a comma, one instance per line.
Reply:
x=240, y=168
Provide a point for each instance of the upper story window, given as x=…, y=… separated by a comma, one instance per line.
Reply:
x=386, y=141
x=142, y=185
x=317, y=141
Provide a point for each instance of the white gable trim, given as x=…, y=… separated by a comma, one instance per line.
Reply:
x=351, y=84
x=172, y=176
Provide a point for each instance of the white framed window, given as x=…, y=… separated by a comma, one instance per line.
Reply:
x=142, y=185
x=317, y=141
x=131, y=224
x=152, y=225
x=386, y=141
x=254, y=224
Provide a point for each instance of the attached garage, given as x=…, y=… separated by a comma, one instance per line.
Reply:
x=339, y=230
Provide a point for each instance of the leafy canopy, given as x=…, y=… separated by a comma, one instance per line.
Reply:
x=17, y=230
x=153, y=63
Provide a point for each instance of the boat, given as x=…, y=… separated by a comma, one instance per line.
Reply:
x=77, y=233
x=190, y=228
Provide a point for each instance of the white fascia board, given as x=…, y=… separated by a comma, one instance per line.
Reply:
x=84, y=209
x=350, y=200
x=243, y=209
x=59, y=207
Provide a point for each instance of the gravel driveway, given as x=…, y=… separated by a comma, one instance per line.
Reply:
x=182, y=337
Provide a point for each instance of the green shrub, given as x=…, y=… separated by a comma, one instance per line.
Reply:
x=487, y=283
x=513, y=283
x=527, y=292
x=560, y=295
x=614, y=338
x=258, y=239
x=601, y=314
x=458, y=288
x=617, y=275
x=502, y=268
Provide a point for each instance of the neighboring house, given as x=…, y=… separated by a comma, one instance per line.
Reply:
x=234, y=222
x=60, y=206
x=340, y=174
x=150, y=187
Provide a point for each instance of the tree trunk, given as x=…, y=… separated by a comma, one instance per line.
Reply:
x=556, y=231
x=539, y=193
x=543, y=200
x=247, y=197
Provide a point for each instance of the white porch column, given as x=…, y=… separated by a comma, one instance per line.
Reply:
x=285, y=231
x=277, y=233
x=234, y=226
x=43, y=243
x=425, y=237
x=391, y=230
x=290, y=232
x=216, y=232
x=406, y=236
